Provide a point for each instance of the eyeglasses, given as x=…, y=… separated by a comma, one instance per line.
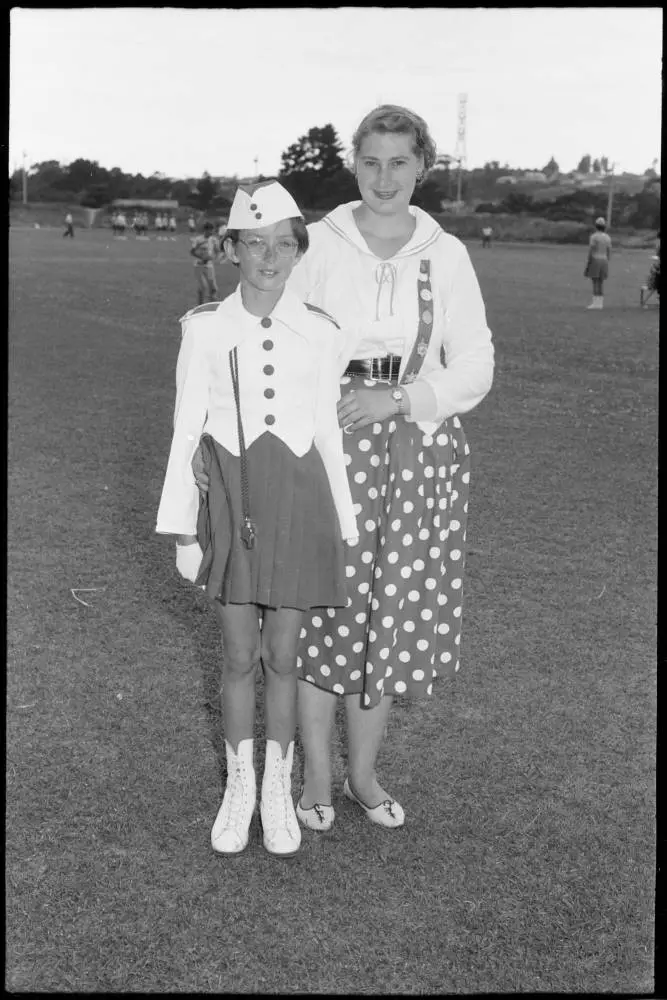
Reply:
x=257, y=247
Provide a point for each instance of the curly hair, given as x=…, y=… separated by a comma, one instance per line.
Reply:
x=395, y=119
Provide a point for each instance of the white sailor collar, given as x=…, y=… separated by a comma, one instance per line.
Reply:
x=341, y=221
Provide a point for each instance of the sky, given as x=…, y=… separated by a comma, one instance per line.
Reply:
x=181, y=91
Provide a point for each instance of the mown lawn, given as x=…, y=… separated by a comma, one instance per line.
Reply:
x=527, y=860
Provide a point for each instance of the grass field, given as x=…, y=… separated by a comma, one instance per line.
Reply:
x=527, y=859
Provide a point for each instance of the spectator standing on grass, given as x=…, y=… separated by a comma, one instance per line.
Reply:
x=406, y=295
x=206, y=249
x=172, y=226
x=597, y=265
x=257, y=385
x=487, y=233
x=69, y=226
x=191, y=224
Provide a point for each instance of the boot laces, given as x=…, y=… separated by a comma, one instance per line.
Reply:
x=237, y=790
x=276, y=800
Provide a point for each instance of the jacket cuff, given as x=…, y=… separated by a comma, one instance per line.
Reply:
x=423, y=401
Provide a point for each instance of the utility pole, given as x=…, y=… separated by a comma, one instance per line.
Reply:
x=24, y=179
x=610, y=198
x=460, y=151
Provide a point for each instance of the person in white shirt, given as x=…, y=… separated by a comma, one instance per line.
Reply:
x=69, y=226
x=597, y=264
x=192, y=224
x=407, y=299
x=256, y=396
x=172, y=224
x=487, y=233
x=206, y=250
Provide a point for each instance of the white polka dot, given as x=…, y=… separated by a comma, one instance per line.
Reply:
x=343, y=630
x=400, y=687
x=357, y=647
x=360, y=477
x=441, y=439
x=367, y=699
x=355, y=675
x=375, y=604
x=310, y=679
x=429, y=472
x=387, y=621
x=409, y=626
x=406, y=572
x=380, y=684
x=457, y=639
x=407, y=539
x=384, y=653
x=424, y=535
x=331, y=612
x=455, y=495
x=303, y=633
x=443, y=535
x=418, y=564
x=418, y=675
x=313, y=651
x=408, y=506
x=383, y=488
x=465, y=478
x=363, y=588
x=378, y=573
x=372, y=635
x=361, y=618
x=373, y=493
x=434, y=552
x=427, y=441
x=430, y=584
x=349, y=571
x=427, y=614
x=364, y=445
x=457, y=667
x=375, y=461
x=392, y=426
x=442, y=503
x=388, y=671
x=420, y=457
x=407, y=475
x=465, y=507
x=357, y=508
x=396, y=524
x=413, y=595
x=456, y=584
x=390, y=589
x=455, y=554
x=341, y=660
x=429, y=689
x=443, y=628
x=338, y=689
x=404, y=656
x=397, y=491
x=454, y=525
x=299, y=661
x=348, y=459
x=392, y=557
x=442, y=598
x=457, y=612
x=422, y=645
x=325, y=670
x=317, y=622
x=420, y=490
x=367, y=557
x=328, y=641
x=442, y=471
x=445, y=657
x=377, y=428
x=369, y=668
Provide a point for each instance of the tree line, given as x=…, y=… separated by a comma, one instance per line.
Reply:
x=314, y=170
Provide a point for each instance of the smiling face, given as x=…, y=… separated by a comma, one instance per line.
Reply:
x=387, y=169
x=265, y=256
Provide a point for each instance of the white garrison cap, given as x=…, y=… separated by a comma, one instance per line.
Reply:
x=262, y=205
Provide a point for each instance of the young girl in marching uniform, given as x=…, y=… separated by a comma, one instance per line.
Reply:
x=257, y=387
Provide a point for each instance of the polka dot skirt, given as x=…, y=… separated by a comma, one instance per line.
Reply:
x=402, y=624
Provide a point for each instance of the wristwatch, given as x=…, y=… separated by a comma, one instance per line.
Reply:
x=398, y=395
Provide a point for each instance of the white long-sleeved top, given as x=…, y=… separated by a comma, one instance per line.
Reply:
x=376, y=303
x=288, y=380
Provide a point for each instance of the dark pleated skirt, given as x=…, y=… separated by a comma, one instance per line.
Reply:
x=597, y=269
x=298, y=557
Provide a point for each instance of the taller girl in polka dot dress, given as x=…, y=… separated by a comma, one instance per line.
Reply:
x=418, y=353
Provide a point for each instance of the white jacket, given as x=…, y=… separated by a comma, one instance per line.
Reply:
x=376, y=303
x=288, y=381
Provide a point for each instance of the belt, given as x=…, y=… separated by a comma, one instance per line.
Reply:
x=381, y=369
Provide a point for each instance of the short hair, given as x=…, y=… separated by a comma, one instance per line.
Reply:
x=397, y=120
x=299, y=232
x=601, y=226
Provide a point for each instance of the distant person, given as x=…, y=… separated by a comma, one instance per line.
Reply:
x=159, y=226
x=172, y=227
x=121, y=223
x=487, y=233
x=69, y=226
x=206, y=250
x=652, y=286
x=597, y=265
x=222, y=229
x=266, y=539
x=192, y=225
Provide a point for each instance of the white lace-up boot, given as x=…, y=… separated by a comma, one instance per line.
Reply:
x=230, y=830
x=282, y=834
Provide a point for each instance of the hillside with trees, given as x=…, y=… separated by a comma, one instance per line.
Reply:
x=314, y=170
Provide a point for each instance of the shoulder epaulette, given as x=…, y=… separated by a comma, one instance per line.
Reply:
x=321, y=312
x=206, y=307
